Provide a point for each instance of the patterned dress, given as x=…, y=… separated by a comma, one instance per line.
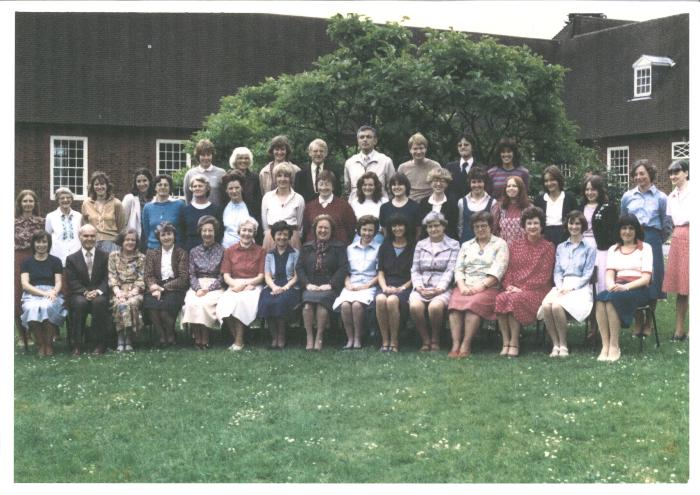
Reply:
x=506, y=223
x=126, y=273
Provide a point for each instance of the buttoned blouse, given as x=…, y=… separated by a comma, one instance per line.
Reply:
x=362, y=261
x=291, y=210
x=290, y=266
x=25, y=228
x=234, y=213
x=678, y=206
x=64, y=233
x=109, y=219
x=474, y=264
x=649, y=207
x=433, y=264
x=205, y=262
x=241, y=262
x=554, y=208
x=574, y=260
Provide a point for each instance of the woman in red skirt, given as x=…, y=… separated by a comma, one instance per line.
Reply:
x=677, y=271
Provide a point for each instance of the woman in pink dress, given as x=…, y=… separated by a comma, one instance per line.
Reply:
x=527, y=281
x=506, y=213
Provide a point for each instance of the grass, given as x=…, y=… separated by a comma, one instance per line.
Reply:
x=363, y=416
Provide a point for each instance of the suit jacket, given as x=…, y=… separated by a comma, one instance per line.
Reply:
x=180, y=263
x=77, y=273
x=303, y=183
x=459, y=187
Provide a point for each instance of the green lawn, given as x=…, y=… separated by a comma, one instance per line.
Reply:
x=363, y=416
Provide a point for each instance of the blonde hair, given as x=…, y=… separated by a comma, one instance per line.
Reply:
x=417, y=139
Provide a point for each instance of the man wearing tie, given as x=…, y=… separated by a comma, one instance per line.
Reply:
x=305, y=179
x=459, y=187
x=367, y=160
x=86, y=275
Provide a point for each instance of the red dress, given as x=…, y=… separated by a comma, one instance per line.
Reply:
x=530, y=269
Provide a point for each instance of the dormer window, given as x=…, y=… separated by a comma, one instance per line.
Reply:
x=643, y=74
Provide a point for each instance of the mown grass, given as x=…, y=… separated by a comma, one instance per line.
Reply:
x=363, y=416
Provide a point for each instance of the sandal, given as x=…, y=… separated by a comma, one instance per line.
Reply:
x=385, y=348
x=394, y=348
x=504, y=351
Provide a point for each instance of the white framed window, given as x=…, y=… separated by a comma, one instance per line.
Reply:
x=642, y=81
x=680, y=149
x=171, y=157
x=619, y=164
x=69, y=165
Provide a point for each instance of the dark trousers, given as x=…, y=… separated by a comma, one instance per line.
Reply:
x=80, y=307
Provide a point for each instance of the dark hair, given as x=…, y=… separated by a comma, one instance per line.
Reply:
x=326, y=175
x=597, y=183
x=121, y=236
x=396, y=219
x=279, y=142
x=160, y=177
x=629, y=220
x=479, y=173
x=532, y=212
x=648, y=166
x=377, y=194
x=98, y=175
x=204, y=147
x=467, y=137
x=680, y=165
x=482, y=216
x=165, y=226
x=280, y=226
x=367, y=220
x=367, y=128
x=508, y=143
x=40, y=234
x=150, y=192
x=556, y=174
x=208, y=220
x=326, y=217
x=230, y=176
x=577, y=215
x=401, y=179
x=521, y=200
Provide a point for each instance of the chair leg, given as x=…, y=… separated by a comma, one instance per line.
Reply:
x=656, y=331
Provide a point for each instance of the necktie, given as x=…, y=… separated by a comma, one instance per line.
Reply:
x=88, y=262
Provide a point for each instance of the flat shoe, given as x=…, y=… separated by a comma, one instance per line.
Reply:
x=563, y=352
x=453, y=354
x=424, y=348
x=235, y=348
x=555, y=351
x=464, y=354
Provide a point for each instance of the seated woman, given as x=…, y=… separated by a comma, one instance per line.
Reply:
x=41, y=276
x=627, y=278
x=394, y=275
x=361, y=281
x=572, y=293
x=243, y=268
x=166, y=278
x=322, y=268
x=206, y=282
x=126, y=268
x=431, y=274
x=329, y=204
x=481, y=264
x=439, y=202
x=281, y=295
x=556, y=204
x=526, y=282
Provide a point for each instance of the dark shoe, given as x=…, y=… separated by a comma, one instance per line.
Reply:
x=679, y=338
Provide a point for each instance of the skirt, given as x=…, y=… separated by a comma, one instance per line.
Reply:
x=444, y=297
x=128, y=314
x=653, y=238
x=280, y=305
x=482, y=304
x=202, y=310
x=403, y=298
x=242, y=305
x=364, y=296
x=170, y=301
x=325, y=298
x=677, y=278
x=40, y=308
x=523, y=305
x=626, y=302
x=268, y=243
x=578, y=303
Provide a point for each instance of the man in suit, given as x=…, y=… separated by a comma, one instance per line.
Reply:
x=459, y=187
x=87, y=279
x=305, y=179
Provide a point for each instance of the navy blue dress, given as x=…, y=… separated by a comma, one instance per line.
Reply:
x=281, y=305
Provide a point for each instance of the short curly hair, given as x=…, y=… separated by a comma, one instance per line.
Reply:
x=532, y=212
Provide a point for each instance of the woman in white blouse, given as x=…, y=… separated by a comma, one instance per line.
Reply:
x=63, y=224
x=556, y=204
x=282, y=204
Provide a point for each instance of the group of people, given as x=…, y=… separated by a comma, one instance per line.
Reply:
x=462, y=242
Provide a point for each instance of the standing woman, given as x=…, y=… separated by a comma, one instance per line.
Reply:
x=163, y=208
x=507, y=165
x=199, y=207
x=369, y=199
x=527, y=280
x=206, y=282
x=601, y=217
x=236, y=209
x=42, y=303
x=142, y=192
x=282, y=295
x=126, y=271
x=677, y=276
x=243, y=268
x=103, y=211
x=240, y=161
x=27, y=223
x=166, y=278
x=63, y=225
x=361, y=281
x=507, y=212
x=330, y=204
x=476, y=200
x=278, y=152
x=439, y=202
x=322, y=267
x=648, y=204
x=282, y=204
x=401, y=204
x=572, y=292
x=394, y=263
x=433, y=267
x=556, y=204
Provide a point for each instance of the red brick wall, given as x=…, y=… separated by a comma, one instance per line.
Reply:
x=118, y=151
